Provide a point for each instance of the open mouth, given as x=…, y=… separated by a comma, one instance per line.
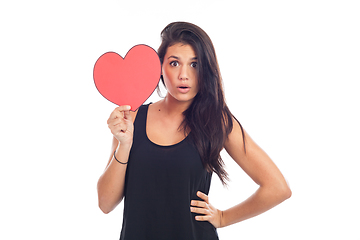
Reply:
x=184, y=89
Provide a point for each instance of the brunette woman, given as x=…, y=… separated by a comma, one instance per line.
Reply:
x=163, y=155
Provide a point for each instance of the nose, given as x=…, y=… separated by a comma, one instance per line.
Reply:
x=184, y=75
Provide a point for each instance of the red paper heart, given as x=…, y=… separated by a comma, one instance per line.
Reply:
x=130, y=80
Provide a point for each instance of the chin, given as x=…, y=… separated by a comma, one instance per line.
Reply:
x=183, y=98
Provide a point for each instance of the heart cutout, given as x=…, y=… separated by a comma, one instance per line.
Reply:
x=130, y=80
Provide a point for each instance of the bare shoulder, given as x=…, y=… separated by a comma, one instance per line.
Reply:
x=242, y=147
x=235, y=142
x=255, y=162
x=153, y=111
x=154, y=105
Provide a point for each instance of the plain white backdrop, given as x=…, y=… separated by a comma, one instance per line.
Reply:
x=291, y=73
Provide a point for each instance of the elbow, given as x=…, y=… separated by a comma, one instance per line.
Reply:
x=104, y=203
x=279, y=191
x=107, y=204
x=288, y=190
x=287, y=193
x=284, y=191
x=104, y=207
x=104, y=210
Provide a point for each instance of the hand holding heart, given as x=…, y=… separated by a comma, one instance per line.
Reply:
x=121, y=125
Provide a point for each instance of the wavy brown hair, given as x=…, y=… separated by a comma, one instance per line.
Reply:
x=208, y=117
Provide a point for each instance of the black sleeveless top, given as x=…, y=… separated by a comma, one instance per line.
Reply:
x=160, y=183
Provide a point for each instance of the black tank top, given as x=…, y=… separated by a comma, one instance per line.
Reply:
x=160, y=183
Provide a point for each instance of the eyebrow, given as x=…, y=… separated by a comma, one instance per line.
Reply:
x=194, y=58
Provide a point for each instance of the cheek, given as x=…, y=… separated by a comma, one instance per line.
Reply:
x=196, y=80
x=166, y=82
x=194, y=75
x=167, y=76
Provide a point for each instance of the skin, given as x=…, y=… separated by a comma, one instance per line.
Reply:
x=164, y=119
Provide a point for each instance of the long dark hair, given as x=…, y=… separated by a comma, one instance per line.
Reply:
x=208, y=117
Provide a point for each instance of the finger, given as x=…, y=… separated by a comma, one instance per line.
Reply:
x=199, y=203
x=115, y=122
x=115, y=115
x=127, y=115
x=203, y=196
x=200, y=210
x=202, y=218
x=119, y=112
x=123, y=108
x=120, y=127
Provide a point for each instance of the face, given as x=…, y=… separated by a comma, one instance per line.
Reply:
x=179, y=72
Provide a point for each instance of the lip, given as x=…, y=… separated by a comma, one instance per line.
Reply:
x=183, y=88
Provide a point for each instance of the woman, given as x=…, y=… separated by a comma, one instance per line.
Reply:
x=163, y=155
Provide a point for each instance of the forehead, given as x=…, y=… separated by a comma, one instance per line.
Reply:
x=181, y=50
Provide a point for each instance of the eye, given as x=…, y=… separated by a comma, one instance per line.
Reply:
x=174, y=64
x=193, y=64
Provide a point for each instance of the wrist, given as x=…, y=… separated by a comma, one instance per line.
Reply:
x=118, y=159
x=121, y=153
x=124, y=146
x=221, y=224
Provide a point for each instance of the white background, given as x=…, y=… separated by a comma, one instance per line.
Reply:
x=291, y=73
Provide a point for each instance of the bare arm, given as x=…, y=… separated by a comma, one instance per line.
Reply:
x=111, y=183
x=273, y=188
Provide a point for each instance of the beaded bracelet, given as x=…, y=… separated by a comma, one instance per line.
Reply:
x=118, y=160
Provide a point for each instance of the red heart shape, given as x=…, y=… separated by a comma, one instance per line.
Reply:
x=130, y=80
